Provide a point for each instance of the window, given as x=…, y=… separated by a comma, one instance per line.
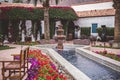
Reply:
x=94, y=27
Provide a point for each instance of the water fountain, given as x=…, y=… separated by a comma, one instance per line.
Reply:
x=91, y=68
x=60, y=37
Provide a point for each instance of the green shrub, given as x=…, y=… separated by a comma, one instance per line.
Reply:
x=1, y=37
x=5, y=47
x=110, y=31
x=85, y=31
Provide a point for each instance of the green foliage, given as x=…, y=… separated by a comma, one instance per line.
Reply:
x=38, y=13
x=15, y=26
x=52, y=28
x=5, y=47
x=110, y=31
x=1, y=36
x=108, y=54
x=17, y=1
x=62, y=13
x=19, y=13
x=27, y=43
x=85, y=31
x=4, y=27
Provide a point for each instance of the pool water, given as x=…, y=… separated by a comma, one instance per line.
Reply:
x=91, y=68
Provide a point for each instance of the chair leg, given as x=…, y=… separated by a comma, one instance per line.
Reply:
x=24, y=70
x=3, y=74
x=10, y=73
x=27, y=65
x=20, y=74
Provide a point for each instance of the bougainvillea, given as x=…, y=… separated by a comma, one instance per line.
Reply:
x=42, y=68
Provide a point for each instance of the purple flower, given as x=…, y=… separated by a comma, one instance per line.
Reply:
x=17, y=57
x=97, y=52
x=33, y=71
x=118, y=55
x=53, y=66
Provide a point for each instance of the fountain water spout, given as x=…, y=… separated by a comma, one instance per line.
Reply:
x=60, y=37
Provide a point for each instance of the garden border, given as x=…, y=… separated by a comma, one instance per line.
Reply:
x=113, y=64
x=72, y=70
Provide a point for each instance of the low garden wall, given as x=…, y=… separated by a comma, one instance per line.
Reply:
x=69, y=69
x=113, y=64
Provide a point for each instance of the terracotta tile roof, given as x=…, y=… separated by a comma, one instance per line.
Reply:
x=96, y=13
x=4, y=4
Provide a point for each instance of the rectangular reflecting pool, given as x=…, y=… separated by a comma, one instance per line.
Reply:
x=91, y=68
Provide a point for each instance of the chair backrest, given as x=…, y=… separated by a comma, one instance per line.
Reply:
x=22, y=56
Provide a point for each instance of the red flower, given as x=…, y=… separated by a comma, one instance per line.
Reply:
x=61, y=76
x=51, y=71
x=48, y=77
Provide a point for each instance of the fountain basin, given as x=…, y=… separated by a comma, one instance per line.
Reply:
x=113, y=64
x=76, y=73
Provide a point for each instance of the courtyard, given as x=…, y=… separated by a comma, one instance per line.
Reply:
x=59, y=40
x=6, y=55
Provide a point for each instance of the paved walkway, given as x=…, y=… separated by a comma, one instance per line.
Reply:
x=6, y=54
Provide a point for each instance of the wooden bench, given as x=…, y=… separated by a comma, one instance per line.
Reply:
x=16, y=69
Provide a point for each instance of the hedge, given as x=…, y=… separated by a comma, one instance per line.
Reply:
x=110, y=31
x=17, y=12
x=85, y=31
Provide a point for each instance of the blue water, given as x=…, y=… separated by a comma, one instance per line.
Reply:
x=91, y=68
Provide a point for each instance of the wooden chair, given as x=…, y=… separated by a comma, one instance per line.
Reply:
x=17, y=56
x=15, y=68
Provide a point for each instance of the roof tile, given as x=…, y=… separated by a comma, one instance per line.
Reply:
x=96, y=13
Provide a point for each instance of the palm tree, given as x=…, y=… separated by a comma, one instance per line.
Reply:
x=46, y=4
x=116, y=5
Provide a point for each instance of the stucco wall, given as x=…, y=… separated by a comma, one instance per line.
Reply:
x=97, y=6
x=87, y=22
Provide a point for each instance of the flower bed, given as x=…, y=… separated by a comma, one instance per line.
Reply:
x=108, y=54
x=42, y=68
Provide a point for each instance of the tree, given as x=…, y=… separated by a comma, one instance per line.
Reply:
x=116, y=5
x=46, y=4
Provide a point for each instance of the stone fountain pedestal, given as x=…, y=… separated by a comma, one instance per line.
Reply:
x=60, y=37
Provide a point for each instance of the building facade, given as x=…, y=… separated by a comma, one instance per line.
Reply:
x=95, y=14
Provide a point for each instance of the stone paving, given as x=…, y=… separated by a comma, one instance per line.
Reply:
x=6, y=54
